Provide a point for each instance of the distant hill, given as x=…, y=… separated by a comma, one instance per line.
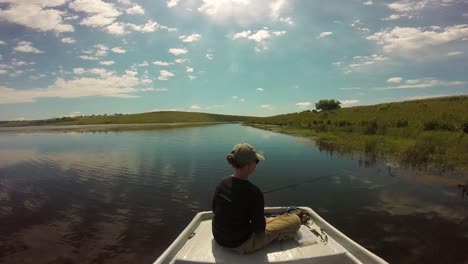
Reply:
x=448, y=110
x=151, y=117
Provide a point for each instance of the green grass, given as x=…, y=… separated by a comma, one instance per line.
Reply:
x=153, y=117
x=421, y=133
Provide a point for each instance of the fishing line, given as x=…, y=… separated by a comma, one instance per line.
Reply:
x=303, y=182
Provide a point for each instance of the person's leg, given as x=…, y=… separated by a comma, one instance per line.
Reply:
x=281, y=227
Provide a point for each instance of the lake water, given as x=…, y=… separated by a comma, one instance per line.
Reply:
x=122, y=197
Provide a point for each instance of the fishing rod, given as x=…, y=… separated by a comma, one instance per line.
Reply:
x=303, y=182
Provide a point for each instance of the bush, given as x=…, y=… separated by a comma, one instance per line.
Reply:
x=402, y=123
x=465, y=127
x=436, y=125
x=327, y=104
x=344, y=123
x=419, y=154
x=371, y=128
x=321, y=128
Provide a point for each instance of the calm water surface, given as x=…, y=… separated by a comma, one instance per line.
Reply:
x=122, y=197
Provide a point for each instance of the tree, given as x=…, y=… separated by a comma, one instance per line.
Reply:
x=326, y=105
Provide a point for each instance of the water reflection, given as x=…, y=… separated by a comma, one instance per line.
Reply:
x=124, y=196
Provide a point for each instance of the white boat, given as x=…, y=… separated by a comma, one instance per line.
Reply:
x=316, y=242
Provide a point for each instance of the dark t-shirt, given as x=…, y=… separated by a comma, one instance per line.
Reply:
x=238, y=211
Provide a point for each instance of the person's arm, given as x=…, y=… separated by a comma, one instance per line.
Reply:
x=257, y=214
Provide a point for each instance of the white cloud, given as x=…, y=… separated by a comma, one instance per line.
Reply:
x=368, y=3
x=303, y=104
x=94, y=7
x=78, y=71
x=325, y=34
x=150, y=89
x=37, y=76
x=346, y=103
x=125, y=2
x=103, y=15
x=172, y=3
x=177, y=51
x=181, y=60
x=165, y=75
x=410, y=39
x=107, y=62
x=118, y=50
x=146, y=81
x=195, y=107
x=394, y=80
x=287, y=20
x=276, y=7
x=191, y=77
x=409, y=7
x=135, y=10
x=71, y=17
x=360, y=26
x=2, y=42
x=267, y=107
x=68, y=40
x=454, y=53
x=189, y=69
x=243, y=34
x=100, y=14
x=37, y=15
x=149, y=26
x=405, y=6
x=26, y=46
x=259, y=89
x=162, y=63
x=190, y=38
x=116, y=29
x=19, y=63
x=360, y=63
x=143, y=64
x=105, y=83
x=260, y=37
x=209, y=56
x=87, y=57
x=237, y=98
x=392, y=17
x=97, y=21
x=169, y=29
x=422, y=83
x=243, y=11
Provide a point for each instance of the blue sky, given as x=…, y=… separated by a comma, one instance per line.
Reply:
x=240, y=57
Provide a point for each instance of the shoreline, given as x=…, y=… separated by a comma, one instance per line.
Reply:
x=104, y=127
x=396, y=152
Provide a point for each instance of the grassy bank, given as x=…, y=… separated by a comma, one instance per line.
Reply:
x=144, y=118
x=420, y=133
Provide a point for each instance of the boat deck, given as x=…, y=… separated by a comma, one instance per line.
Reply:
x=318, y=242
x=202, y=248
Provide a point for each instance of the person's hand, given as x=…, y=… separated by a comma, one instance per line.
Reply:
x=268, y=219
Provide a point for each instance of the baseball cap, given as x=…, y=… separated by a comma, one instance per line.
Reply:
x=245, y=153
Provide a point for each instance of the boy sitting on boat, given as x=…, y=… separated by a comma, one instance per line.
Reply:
x=239, y=222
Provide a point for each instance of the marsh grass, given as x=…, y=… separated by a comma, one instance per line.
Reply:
x=421, y=133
